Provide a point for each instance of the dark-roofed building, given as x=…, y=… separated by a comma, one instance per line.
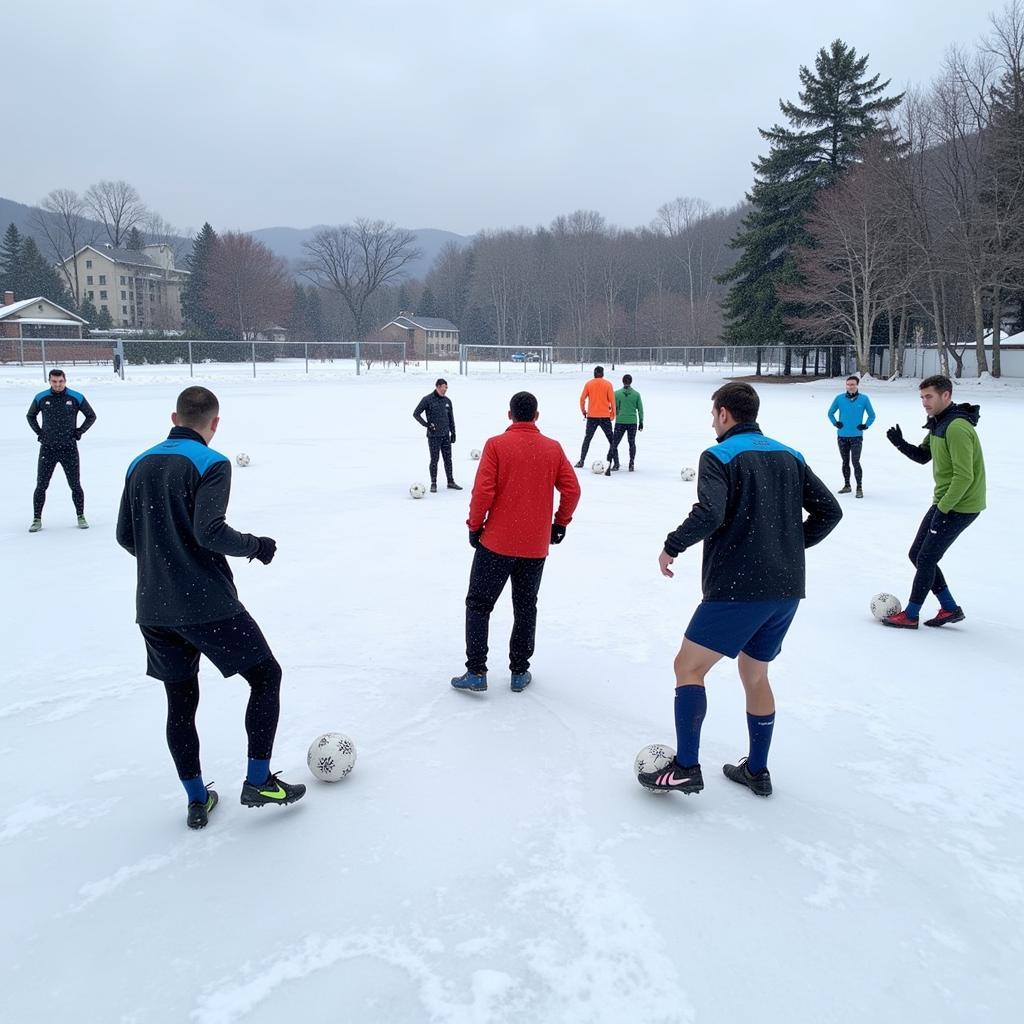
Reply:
x=430, y=336
x=37, y=318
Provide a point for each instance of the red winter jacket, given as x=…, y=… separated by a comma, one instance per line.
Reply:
x=513, y=494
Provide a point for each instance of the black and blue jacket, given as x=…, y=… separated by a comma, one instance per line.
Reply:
x=751, y=496
x=440, y=415
x=60, y=411
x=172, y=519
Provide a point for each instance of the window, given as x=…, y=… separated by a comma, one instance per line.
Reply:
x=124, y=323
x=124, y=312
x=124, y=295
x=103, y=278
x=88, y=264
x=88, y=279
x=123, y=281
x=91, y=295
x=103, y=309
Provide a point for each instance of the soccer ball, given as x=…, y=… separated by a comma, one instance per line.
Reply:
x=688, y=474
x=597, y=467
x=417, y=490
x=242, y=459
x=331, y=756
x=475, y=454
x=884, y=605
x=653, y=758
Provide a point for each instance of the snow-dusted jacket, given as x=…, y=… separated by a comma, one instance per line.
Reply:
x=60, y=411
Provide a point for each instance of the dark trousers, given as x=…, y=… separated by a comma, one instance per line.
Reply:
x=487, y=580
x=629, y=429
x=261, y=716
x=934, y=538
x=49, y=457
x=850, y=448
x=443, y=447
x=593, y=422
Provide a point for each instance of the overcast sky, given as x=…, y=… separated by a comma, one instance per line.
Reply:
x=456, y=114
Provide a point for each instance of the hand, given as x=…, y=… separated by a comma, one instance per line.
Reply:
x=583, y=413
x=39, y=438
x=431, y=428
x=640, y=427
x=664, y=561
x=266, y=551
x=862, y=426
x=895, y=435
x=78, y=435
x=557, y=533
x=453, y=437
x=839, y=424
x=474, y=537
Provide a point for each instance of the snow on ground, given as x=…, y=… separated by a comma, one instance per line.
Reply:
x=492, y=859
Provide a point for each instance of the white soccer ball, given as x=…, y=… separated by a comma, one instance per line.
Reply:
x=689, y=474
x=417, y=490
x=475, y=454
x=653, y=758
x=597, y=467
x=884, y=605
x=242, y=459
x=331, y=756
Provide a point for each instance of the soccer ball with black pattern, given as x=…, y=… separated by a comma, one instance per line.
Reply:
x=653, y=758
x=331, y=756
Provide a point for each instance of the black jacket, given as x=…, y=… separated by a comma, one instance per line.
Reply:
x=751, y=494
x=440, y=421
x=172, y=520
x=60, y=427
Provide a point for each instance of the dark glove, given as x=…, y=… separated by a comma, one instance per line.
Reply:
x=557, y=533
x=640, y=427
x=895, y=435
x=39, y=438
x=266, y=551
x=453, y=437
x=839, y=425
x=862, y=426
x=474, y=537
x=78, y=435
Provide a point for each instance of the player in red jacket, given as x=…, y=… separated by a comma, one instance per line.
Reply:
x=510, y=527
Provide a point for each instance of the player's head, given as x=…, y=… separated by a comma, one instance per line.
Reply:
x=197, y=408
x=626, y=380
x=733, y=403
x=852, y=383
x=57, y=380
x=440, y=385
x=936, y=394
x=522, y=407
x=598, y=371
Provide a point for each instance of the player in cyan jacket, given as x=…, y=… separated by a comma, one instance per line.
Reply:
x=846, y=414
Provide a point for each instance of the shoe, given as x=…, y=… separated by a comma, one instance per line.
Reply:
x=631, y=467
x=273, y=791
x=199, y=811
x=453, y=486
x=470, y=681
x=82, y=524
x=579, y=465
x=860, y=492
x=900, y=621
x=433, y=488
x=673, y=779
x=608, y=471
x=37, y=525
x=944, y=617
x=520, y=681
x=759, y=785
x=616, y=468
x=845, y=489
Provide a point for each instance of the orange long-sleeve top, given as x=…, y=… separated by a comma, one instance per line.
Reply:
x=597, y=399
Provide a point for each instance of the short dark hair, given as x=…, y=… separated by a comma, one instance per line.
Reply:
x=739, y=399
x=55, y=373
x=439, y=382
x=196, y=406
x=627, y=379
x=523, y=407
x=938, y=381
x=598, y=371
x=853, y=376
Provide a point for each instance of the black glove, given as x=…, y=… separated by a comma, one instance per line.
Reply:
x=453, y=437
x=862, y=426
x=39, y=438
x=78, y=435
x=895, y=435
x=266, y=551
x=557, y=533
x=474, y=537
x=839, y=425
x=641, y=427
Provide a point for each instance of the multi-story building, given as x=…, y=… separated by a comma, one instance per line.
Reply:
x=140, y=290
x=424, y=335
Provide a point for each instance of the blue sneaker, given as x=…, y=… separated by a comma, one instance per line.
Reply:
x=520, y=681
x=470, y=681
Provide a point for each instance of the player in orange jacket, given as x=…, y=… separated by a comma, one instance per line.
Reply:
x=597, y=403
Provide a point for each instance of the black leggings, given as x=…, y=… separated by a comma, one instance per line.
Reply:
x=261, y=716
x=49, y=457
x=934, y=538
x=593, y=422
x=443, y=447
x=850, y=447
x=629, y=430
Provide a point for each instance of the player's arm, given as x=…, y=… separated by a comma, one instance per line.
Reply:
x=611, y=401
x=208, y=519
x=417, y=414
x=90, y=417
x=870, y=409
x=451, y=420
x=583, y=399
x=823, y=511
x=832, y=410
x=33, y=418
x=920, y=453
x=639, y=411
x=125, y=524
x=708, y=514
x=961, y=454
x=568, y=486
x=484, y=488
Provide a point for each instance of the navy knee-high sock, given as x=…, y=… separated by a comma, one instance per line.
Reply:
x=760, y=729
x=691, y=706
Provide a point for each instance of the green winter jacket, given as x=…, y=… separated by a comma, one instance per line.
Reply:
x=958, y=466
x=628, y=407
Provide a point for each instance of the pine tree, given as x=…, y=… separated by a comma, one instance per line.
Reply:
x=427, y=306
x=135, y=241
x=315, y=323
x=36, y=276
x=103, y=320
x=839, y=108
x=87, y=311
x=10, y=261
x=199, y=319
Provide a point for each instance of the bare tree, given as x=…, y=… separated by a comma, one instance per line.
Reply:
x=356, y=260
x=117, y=206
x=248, y=288
x=62, y=222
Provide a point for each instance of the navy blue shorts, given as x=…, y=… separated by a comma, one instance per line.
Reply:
x=757, y=628
x=233, y=645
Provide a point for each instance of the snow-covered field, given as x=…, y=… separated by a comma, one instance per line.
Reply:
x=492, y=859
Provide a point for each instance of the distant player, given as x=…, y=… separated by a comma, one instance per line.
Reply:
x=510, y=527
x=629, y=418
x=846, y=414
x=172, y=519
x=440, y=427
x=958, y=468
x=58, y=443
x=751, y=496
x=597, y=403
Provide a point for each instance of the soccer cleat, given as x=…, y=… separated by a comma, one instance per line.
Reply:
x=845, y=489
x=860, y=492
x=900, y=621
x=273, y=791
x=944, y=617
x=433, y=488
x=631, y=467
x=82, y=524
x=616, y=468
x=470, y=682
x=759, y=784
x=608, y=471
x=520, y=681
x=199, y=810
x=673, y=779
x=37, y=525
x=453, y=486
x=579, y=465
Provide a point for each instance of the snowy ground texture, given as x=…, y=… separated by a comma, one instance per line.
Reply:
x=492, y=859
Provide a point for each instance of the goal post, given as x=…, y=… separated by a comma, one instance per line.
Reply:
x=536, y=357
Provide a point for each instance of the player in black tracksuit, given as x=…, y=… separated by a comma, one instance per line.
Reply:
x=172, y=519
x=58, y=438
x=440, y=427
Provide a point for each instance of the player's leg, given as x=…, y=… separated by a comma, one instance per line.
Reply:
x=944, y=529
x=446, y=453
x=631, y=435
x=526, y=576
x=844, y=452
x=434, y=446
x=588, y=436
x=45, y=466
x=487, y=579
x=71, y=465
x=856, y=447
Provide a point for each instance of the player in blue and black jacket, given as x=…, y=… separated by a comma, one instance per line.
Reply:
x=172, y=519
x=752, y=492
x=847, y=414
x=58, y=436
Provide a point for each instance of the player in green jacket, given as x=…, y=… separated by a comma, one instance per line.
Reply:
x=958, y=468
x=629, y=418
